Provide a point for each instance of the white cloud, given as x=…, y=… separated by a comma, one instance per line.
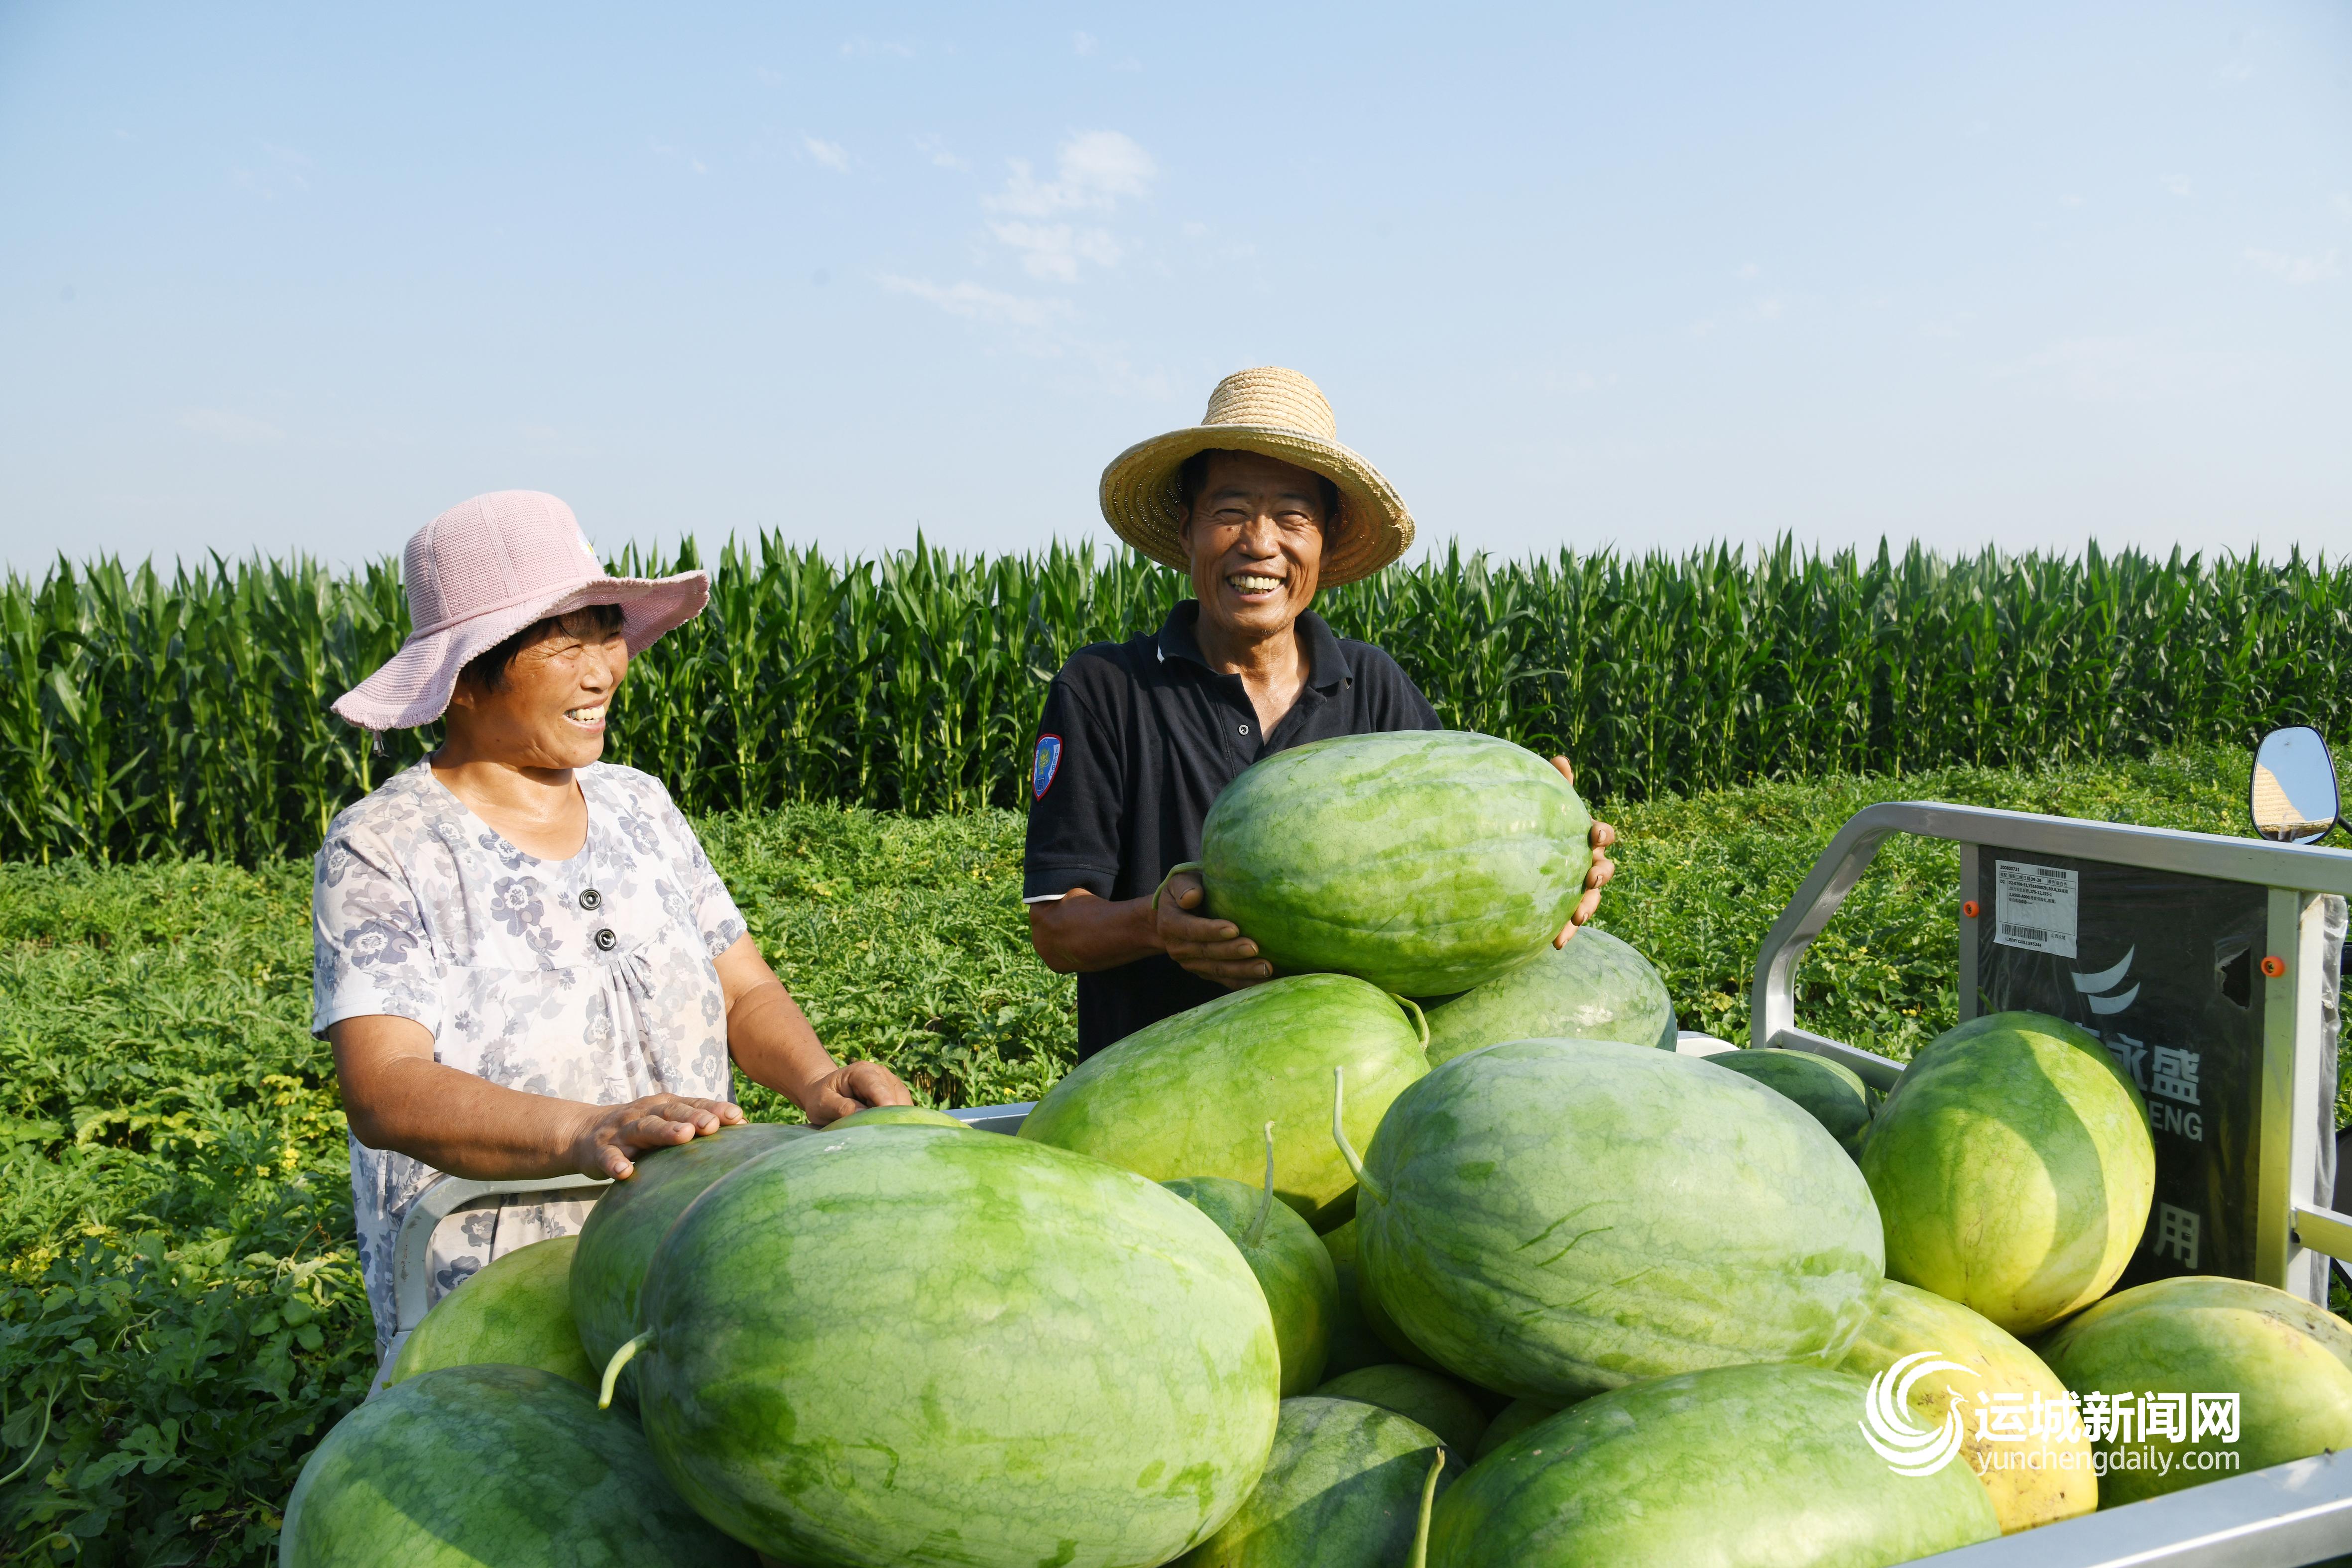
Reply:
x=1085, y=43
x=1055, y=227
x=2179, y=186
x=2294, y=268
x=219, y=424
x=2237, y=71
x=1093, y=171
x=863, y=47
x=831, y=155
x=2123, y=371
x=1053, y=251
x=975, y=303
x=1747, y=269
x=935, y=148
x=2092, y=369
x=285, y=171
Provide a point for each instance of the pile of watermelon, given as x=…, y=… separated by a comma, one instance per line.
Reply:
x=1432, y=1250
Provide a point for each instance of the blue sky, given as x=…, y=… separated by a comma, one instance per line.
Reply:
x=300, y=276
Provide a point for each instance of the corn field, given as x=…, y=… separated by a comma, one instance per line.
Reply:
x=144, y=715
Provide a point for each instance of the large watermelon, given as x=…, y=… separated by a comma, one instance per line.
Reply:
x=885, y=1347
x=901, y=1115
x=1386, y=1329
x=1432, y=1398
x=1596, y=987
x=1510, y=1421
x=2013, y=1168
x=1975, y=1377
x=2187, y=1340
x=1386, y=1342
x=1354, y=1341
x=1190, y=1094
x=617, y=1243
x=516, y=1311
x=1292, y=1265
x=491, y=1465
x=1764, y=1467
x=1552, y=1217
x=1342, y=1489
x=1829, y=1091
x=1426, y=862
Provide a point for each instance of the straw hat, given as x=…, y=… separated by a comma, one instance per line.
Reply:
x=483, y=571
x=1277, y=413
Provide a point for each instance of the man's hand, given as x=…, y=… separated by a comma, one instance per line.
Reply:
x=1597, y=878
x=610, y=1137
x=1212, y=949
x=845, y=1091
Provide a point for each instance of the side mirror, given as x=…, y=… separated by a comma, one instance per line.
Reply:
x=2295, y=796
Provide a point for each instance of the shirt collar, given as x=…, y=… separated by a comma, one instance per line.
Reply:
x=1327, y=662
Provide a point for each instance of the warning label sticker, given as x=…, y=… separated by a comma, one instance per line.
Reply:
x=2033, y=907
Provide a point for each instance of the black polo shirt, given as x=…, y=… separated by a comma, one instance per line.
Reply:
x=1137, y=739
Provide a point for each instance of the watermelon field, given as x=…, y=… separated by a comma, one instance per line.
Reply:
x=181, y=1319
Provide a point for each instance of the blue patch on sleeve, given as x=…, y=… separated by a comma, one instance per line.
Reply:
x=1045, y=764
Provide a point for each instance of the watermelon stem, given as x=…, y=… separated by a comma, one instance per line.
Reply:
x=620, y=1358
x=1265, y=1205
x=1339, y=1136
x=34, y=1452
x=1428, y=1501
x=1420, y=1019
x=1180, y=865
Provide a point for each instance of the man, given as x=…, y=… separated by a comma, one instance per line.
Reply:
x=1262, y=506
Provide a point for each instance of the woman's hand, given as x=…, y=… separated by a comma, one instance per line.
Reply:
x=1212, y=949
x=845, y=1091
x=611, y=1138
x=1595, y=879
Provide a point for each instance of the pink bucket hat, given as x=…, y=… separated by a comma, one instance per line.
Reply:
x=483, y=571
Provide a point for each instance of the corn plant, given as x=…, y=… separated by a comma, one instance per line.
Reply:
x=145, y=712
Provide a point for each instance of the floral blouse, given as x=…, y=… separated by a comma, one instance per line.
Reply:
x=587, y=979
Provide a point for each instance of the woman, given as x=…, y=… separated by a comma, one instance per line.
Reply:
x=522, y=957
